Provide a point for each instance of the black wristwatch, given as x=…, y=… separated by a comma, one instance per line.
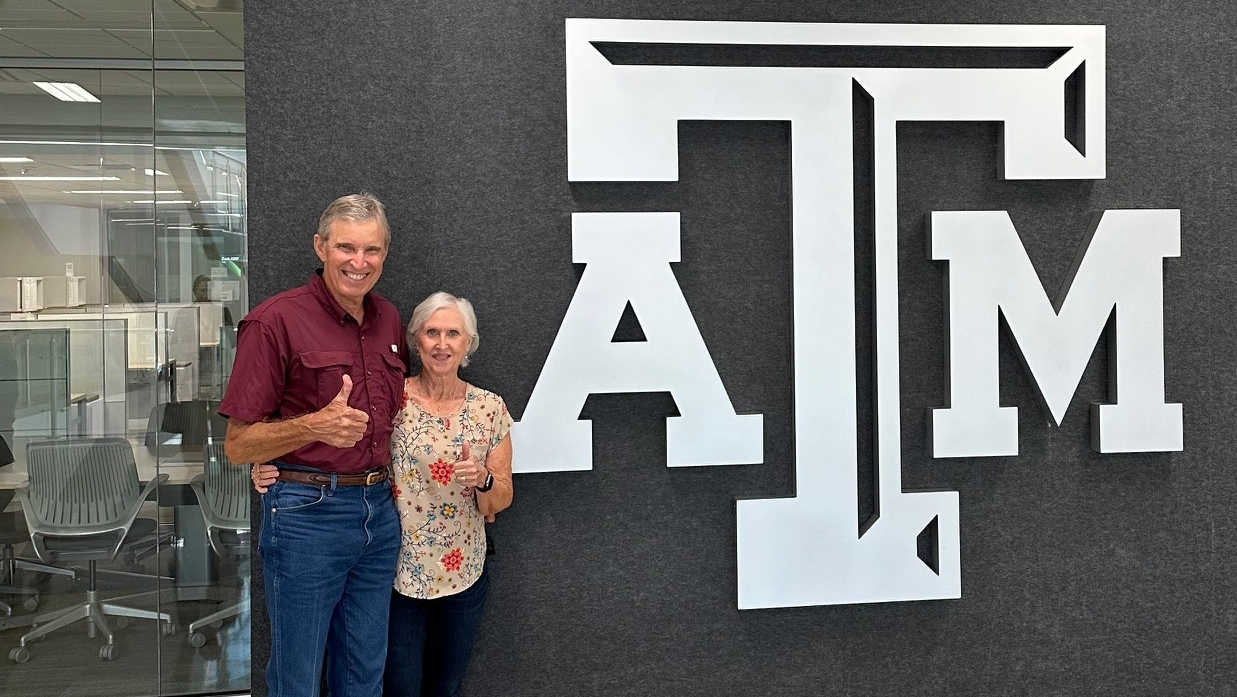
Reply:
x=489, y=483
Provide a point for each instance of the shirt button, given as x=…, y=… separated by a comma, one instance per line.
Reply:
x=369, y=372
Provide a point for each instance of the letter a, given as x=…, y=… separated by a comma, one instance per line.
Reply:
x=628, y=258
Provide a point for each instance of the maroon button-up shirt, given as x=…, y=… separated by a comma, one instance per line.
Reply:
x=291, y=355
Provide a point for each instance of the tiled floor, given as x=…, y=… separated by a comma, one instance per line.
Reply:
x=67, y=662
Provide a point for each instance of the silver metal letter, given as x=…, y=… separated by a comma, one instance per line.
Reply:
x=628, y=257
x=1119, y=270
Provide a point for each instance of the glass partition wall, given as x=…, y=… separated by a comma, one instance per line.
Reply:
x=122, y=274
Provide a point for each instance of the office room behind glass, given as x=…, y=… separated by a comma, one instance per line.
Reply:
x=122, y=225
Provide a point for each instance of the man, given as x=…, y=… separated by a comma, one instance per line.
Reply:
x=318, y=378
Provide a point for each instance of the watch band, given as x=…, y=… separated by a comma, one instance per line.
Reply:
x=489, y=483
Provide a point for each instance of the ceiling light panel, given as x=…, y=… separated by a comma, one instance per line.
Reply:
x=24, y=178
x=67, y=91
x=127, y=192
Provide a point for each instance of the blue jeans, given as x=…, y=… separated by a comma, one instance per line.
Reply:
x=431, y=641
x=328, y=555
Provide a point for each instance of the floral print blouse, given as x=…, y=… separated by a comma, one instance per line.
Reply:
x=443, y=546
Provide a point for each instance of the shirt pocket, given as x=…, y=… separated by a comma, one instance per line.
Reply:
x=328, y=368
x=394, y=370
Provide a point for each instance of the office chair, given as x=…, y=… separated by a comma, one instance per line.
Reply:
x=12, y=533
x=81, y=504
x=195, y=421
x=223, y=494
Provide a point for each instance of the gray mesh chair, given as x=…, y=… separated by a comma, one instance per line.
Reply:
x=223, y=495
x=194, y=422
x=12, y=533
x=81, y=504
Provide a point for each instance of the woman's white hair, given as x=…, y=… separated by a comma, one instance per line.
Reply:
x=440, y=301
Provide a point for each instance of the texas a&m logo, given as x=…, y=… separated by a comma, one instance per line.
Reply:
x=622, y=127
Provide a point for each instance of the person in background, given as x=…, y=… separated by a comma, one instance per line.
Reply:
x=201, y=294
x=317, y=382
x=451, y=463
x=214, y=324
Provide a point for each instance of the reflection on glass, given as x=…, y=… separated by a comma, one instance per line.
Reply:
x=122, y=224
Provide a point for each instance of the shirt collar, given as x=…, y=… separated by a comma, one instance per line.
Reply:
x=318, y=287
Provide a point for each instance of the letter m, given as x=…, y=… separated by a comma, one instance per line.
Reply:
x=1116, y=283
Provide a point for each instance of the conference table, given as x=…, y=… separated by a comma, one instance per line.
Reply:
x=181, y=464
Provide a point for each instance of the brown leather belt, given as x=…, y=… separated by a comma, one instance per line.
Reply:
x=370, y=478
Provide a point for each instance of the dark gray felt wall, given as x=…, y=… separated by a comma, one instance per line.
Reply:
x=1081, y=574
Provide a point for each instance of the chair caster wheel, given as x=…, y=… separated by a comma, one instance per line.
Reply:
x=30, y=604
x=168, y=628
x=21, y=654
x=197, y=640
x=108, y=652
x=123, y=622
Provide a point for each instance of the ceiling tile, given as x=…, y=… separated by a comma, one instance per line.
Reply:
x=230, y=25
x=14, y=12
x=20, y=89
x=169, y=14
x=94, y=8
x=203, y=44
x=74, y=43
x=13, y=49
x=175, y=50
x=134, y=14
x=197, y=84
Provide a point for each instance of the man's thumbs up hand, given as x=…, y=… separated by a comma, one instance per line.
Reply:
x=338, y=424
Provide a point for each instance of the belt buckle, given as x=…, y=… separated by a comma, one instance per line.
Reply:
x=372, y=478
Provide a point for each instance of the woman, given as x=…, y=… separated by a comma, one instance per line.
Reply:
x=451, y=461
x=451, y=467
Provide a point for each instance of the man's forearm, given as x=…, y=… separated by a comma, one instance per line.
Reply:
x=267, y=440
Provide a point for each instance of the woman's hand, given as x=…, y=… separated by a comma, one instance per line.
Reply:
x=468, y=471
x=263, y=476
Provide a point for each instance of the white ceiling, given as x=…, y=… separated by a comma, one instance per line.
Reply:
x=126, y=83
x=121, y=29
x=210, y=181
x=55, y=40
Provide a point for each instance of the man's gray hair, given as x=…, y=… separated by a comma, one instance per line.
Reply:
x=440, y=301
x=355, y=208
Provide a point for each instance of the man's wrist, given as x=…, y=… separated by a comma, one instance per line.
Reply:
x=305, y=426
